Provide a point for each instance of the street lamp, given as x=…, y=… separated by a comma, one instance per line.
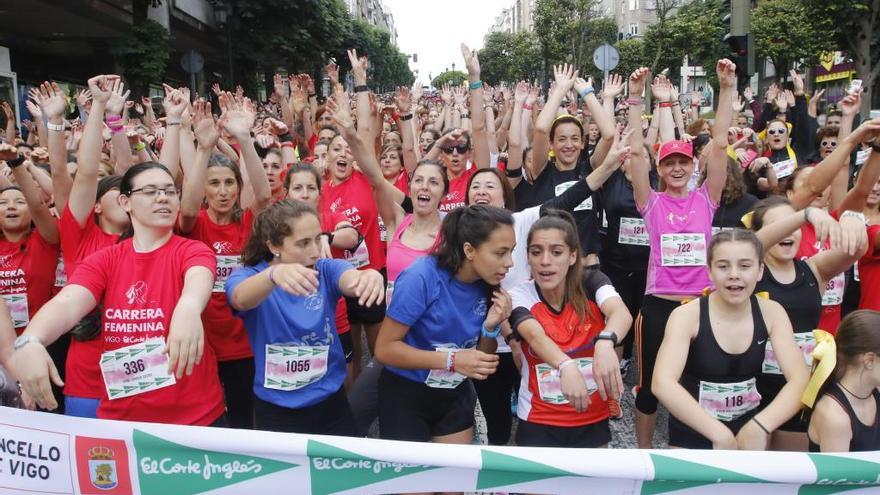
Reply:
x=222, y=9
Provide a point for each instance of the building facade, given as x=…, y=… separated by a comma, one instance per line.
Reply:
x=375, y=13
x=516, y=18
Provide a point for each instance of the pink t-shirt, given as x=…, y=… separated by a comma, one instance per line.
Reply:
x=679, y=230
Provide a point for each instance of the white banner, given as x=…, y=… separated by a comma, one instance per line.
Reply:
x=47, y=453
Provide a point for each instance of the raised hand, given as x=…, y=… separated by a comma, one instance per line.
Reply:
x=748, y=94
x=620, y=150
x=532, y=97
x=279, y=87
x=403, y=100
x=101, y=87
x=174, y=103
x=276, y=127
x=613, y=86
x=358, y=67
x=471, y=62
x=8, y=152
x=781, y=102
x=306, y=83
x=851, y=104
x=637, y=82
x=204, y=127
x=118, y=96
x=298, y=98
x=237, y=115
x=772, y=93
x=333, y=73
x=738, y=103
x=789, y=97
x=459, y=95
x=798, y=82
x=446, y=94
x=499, y=311
x=341, y=113
x=726, y=71
x=416, y=93
x=661, y=89
x=520, y=92
x=564, y=75
x=216, y=89
x=32, y=108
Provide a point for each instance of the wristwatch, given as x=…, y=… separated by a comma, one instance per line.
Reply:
x=25, y=340
x=606, y=335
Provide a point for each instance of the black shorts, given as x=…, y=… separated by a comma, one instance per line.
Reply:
x=332, y=416
x=415, y=412
x=685, y=437
x=358, y=314
x=347, y=346
x=650, y=329
x=594, y=435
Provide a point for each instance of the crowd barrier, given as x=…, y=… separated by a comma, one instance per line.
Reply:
x=45, y=453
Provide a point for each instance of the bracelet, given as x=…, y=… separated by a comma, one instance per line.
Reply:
x=169, y=124
x=285, y=138
x=15, y=161
x=112, y=118
x=452, y=363
x=117, y=129
x=564, y=363
x=406, y=116
x=363, y=88
x=55, y=127
x=665, y=104
x=514, y=335
x=272, y=272
x=586, y=92
x=633, y=101
x=526, y=106
x=755, y=419
x=475, y=85
x=139, y=147
x=465, y=115
x=288, y=144
x=450, y=359
x=490, y=334
x=513, y=173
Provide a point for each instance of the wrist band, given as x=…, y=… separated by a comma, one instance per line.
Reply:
x=586, y=92
x=285, y=138
x=363, y=88
x=526, y=106
x=406, y=116
x=452, y=363
x=109, y=119
x=755, y=419
x=16, y=161
x=490, y=334
x=665, y=104
x=139, y=147
x=55, y=127
x=633, y=101
x=513, y=173
x=475, y=85
x=169, y=124
x=288, y=144
x=450, y=359
x=564, y=363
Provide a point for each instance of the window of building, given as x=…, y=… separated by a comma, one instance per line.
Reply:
x=633, y=4
x=633, y=29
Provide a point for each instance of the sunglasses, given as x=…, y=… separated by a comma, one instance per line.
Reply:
x=774, y=132
x=461, y=148
x=832, y=144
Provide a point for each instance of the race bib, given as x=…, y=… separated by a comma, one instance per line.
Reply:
x=728, y=401
x=856, y=273
x=18, y=308
x=834, y=291
x=292, y=367
x=383, y=232
x=633, y=232
x=586, y=204
x=604, y=219
x=549, y=386
x=225, y=266
x=862, y=156
x=806, y=342
x=60, y=274
x=443, y=378
x=136, y=369
x=684, y=249
x=716, y=230
x=360, y=257
x=784, y=168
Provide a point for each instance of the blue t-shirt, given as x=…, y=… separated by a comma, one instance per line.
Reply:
x=285, y=319
x=440, y=311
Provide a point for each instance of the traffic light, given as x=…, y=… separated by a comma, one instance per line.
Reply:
x=739, y=38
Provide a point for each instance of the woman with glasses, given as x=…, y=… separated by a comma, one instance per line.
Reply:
x=224, y=226
x=152, y=288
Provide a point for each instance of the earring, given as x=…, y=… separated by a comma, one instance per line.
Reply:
x=277, y=255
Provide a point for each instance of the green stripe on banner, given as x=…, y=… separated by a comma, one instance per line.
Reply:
x=668, y=469
x=503, y=470
x=333, y=469
x=172, y=468
x=836, y=473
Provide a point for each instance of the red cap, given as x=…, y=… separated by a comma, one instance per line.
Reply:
x=676, y=148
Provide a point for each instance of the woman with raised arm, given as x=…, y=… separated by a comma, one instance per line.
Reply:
x=152, y=288
x=678, y=223
x=224, y=226
x=561, y=317
x=712, y=354
x=441, y=329
x=286, y=294
x=846, y=380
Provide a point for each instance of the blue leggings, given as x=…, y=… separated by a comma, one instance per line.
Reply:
x=81, y=407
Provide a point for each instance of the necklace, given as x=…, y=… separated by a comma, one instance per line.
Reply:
x=854, y=395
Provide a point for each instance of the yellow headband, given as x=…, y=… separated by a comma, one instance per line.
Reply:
x=824, y=361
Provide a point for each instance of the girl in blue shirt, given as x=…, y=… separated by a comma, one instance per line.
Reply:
x=441, y=326
x=287, y=298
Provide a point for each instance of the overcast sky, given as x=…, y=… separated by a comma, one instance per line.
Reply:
x=435, y=30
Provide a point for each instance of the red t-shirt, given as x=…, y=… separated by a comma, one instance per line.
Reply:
x=138, y=293
x=82, y=374
x=27, y=276
x=869, y=273
x=457, y=194
x=328, y=224
x=402, y=182
x=574, y=338
x=833, y=295
x=224, y=332
x=354, y=199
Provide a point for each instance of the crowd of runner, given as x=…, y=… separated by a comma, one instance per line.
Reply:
x=221, y=265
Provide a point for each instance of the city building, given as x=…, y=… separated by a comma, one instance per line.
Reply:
x=375, y=13
x=516, y=18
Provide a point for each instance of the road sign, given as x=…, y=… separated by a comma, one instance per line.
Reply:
x=606, y=57
x=192, y=62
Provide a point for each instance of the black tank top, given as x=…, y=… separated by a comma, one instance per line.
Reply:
x=864, y=437
x=801, y=298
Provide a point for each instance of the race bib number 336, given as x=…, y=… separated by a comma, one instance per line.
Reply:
x=136, y=369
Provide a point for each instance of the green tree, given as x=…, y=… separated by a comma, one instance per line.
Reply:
x=632, y=56
x=388, y=67
x=143, y=54
x=509, y=57
x=855, y=25
x=562, y=27
x=450, y=77
x=786, y=31
x=597, y=32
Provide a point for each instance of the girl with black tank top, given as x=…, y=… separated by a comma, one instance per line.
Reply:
x=798, y=285
x=712, y=353
x=846, y=417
